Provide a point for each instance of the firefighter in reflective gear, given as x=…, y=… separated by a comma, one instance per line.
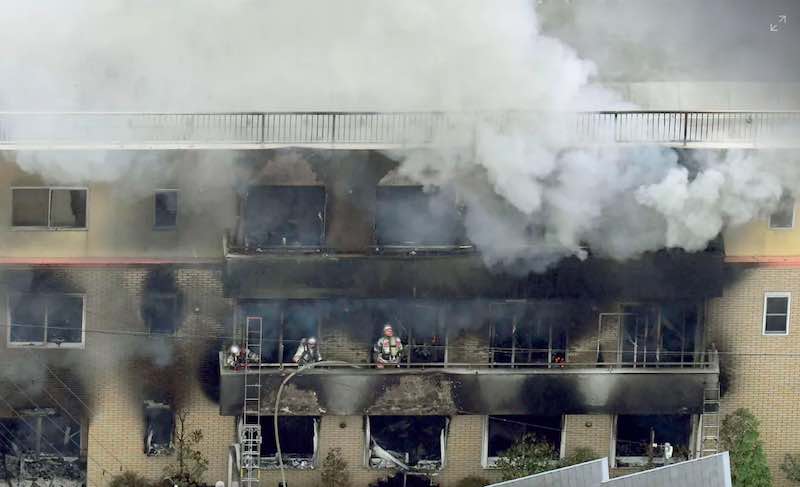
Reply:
x=388, y=348
x=307, y=352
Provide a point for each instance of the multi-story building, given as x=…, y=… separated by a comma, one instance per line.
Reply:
x=124, y=293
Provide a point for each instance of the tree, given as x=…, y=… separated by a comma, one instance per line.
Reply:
x=334, y=470
x=527, y=456
x=739, y=435
x=190, y=463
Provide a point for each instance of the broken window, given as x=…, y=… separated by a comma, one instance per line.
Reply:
x=406, y=442
x=640, y=439
x=284, y=324
x=299, y=438
x=776, y=313
x=160, y=313
x=528, y=334
x=166, y=208
x=276, y=216
x=410, y=216
x=503, y=431
x=783, y=217
x=678, y=328
x=48, y=207
x=159, y=428
x=639, y=335
x=41, y=432
x=38, y=319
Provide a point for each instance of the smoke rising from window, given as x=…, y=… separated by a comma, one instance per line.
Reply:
x=530, y=196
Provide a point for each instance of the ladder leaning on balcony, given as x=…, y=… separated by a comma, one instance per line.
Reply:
x=709, y=439
x=250, y=432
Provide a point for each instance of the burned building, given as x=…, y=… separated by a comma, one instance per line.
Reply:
x=190, y=292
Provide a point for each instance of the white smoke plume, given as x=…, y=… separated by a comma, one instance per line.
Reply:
x=530, y=196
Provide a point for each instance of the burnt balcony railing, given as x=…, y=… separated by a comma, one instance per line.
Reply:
x=379, y=129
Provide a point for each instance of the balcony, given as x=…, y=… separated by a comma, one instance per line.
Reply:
x=480, y=388
x=385, y=130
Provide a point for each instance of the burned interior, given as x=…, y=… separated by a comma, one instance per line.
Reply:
x=161, y=302
x=531, y=334
x=412, y=216
x=299, y=440
x=281, y=216
x=641, y=439
x=159, y=430
x=41, y=444
x=406, y=442
x=502, y=432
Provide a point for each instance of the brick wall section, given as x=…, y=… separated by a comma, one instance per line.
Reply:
x=597, y=436
x=761, y=371
x=113, y=370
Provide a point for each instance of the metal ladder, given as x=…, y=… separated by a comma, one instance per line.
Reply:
x=250, y=432
x=709, y=440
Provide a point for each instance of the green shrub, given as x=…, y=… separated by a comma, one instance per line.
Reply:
x=791, y=467
x=581, y=455
x=129, y=479
x=473, y=481
x=739, y=435
x=527, y=456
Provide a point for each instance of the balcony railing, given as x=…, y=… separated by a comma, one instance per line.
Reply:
x=379, y=129
x=658, y=360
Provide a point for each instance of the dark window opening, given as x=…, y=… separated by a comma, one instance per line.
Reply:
x=166, y=209
x=298, y=436
x=783, y=217
x=678, y=328
x=418, y=327
x=160, y=313
x=283, y=326
x=636, y=436
x=159, y=429
x=639, y=334
x=39, y=319
x=410, y=216
x=528, y=335
x=48, y=207
x=504, y=431
x=406, y=442
x=40, y=432
x=776, y=314
x=284, y=216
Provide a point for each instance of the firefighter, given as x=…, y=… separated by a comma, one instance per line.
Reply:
x=388, y=348
x=307, y=352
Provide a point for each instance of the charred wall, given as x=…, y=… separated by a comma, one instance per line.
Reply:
x=458, y=391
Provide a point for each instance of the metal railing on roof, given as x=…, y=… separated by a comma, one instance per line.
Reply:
x=332, y=129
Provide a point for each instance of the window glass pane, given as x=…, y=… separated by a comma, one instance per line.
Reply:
x=775, y=324
x=68, y=208
x=64, y=319
x=29, y=207
x=783, y=217
x=166, y=207
x=777, y=305
x=161, y=313
x=27, y=318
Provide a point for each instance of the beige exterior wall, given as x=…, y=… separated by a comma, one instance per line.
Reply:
x=120, y=214
x=760, y=372
x=592, y=431
x=758, y=239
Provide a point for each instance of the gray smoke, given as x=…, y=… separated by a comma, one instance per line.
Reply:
x=531, y=196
